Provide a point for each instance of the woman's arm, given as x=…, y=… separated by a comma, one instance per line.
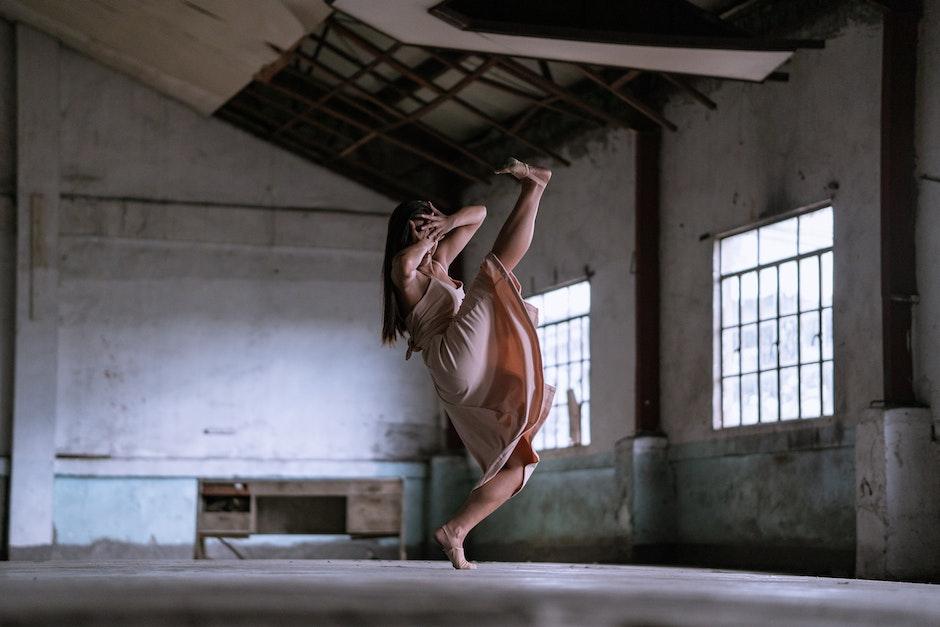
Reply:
x=406, y=261
x=456, y=230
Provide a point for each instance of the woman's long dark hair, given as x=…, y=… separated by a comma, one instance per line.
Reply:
x=398, y=238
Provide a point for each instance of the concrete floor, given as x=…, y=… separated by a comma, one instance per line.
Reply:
x=336, y=592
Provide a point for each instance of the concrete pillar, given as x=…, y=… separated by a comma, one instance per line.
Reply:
x=647, y=495
x=897, y=472
x=36, y=344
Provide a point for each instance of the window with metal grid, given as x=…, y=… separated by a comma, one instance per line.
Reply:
x=773, y=321
x=564, y=335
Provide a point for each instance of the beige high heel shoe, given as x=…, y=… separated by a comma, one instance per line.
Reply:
x=523, y=171
x=515, y=167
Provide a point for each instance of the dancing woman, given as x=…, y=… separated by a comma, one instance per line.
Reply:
x=480, y=346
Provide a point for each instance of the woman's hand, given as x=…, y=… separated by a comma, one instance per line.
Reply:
x=437, y=224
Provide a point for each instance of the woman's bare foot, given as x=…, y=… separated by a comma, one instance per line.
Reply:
x=451, y=542
x=525, y=171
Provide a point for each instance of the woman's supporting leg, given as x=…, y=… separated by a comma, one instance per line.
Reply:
x=481, y=503
x=516, y=235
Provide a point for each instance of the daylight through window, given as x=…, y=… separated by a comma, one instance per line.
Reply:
x=564, y=335
x=773, y=322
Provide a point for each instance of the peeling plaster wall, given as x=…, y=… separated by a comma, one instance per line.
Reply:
x=195, y=331
x=219, y=316
x=767, y=149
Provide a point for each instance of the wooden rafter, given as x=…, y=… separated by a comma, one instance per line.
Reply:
x=687, y=87
x=539, y=100
x=369, y=47
x=418, y=113
x=399, y=114
x=360, y=171
x=338, y=115
x=520, y=71
x=634, y=102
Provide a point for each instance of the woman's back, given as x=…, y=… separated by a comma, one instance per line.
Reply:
x=434, y=310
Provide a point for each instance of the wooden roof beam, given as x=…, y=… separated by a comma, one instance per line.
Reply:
x=420, y=152
x=369, y=47
x=399, y=114
x=637, y=104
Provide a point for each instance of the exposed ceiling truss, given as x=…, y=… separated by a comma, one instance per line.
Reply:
x=420, y=122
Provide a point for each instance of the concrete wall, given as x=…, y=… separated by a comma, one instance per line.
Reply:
x=927, y=314
x=770, y=495
x=7, y=262
x=219, y=307
x=766, y=149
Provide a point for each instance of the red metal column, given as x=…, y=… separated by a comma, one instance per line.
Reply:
x=646, y=234
x=898, y=198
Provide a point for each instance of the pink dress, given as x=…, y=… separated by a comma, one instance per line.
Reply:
x=482, y=352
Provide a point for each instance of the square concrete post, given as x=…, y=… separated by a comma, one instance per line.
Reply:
x=897, y=502
x=36, y=327
x=646, y=509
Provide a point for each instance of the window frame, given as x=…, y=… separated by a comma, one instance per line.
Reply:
x=568, y=319
x=717, y=326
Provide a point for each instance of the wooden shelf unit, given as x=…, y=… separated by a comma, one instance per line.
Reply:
x=362, y=508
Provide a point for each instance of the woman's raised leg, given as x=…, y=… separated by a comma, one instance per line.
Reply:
x=516, y=235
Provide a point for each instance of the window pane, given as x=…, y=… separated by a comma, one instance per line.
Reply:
x=768, y=293
x=768, y=396
x=729, y=351
x=788, y=288
x=789, y=394
x=730, y=408
x=827, y=333
x=809, y=391
x=550, y=347
x=749, y=297
x=556, y=305
x=562, y=331
x=788, y=341
x=749, y=348
x=729, y=302
x=809, y=337
x=561, y=395
x=586, y=424
x=536, y=301
x=827, y=388
x=575, y=381
x=585, y=338
x=768, y=345
x=778, y=241
x=585, y=376
x=749, y=399
x=551, y=377
x=579, y=298
x=574, y=348
x=827, y=280
x=816, y=230
x=809, y=283
x=739, y=252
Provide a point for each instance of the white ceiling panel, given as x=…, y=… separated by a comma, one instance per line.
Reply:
x=410, y=22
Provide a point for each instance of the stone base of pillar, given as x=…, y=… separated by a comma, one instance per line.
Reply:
x=646, y=489
x=897, y=496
